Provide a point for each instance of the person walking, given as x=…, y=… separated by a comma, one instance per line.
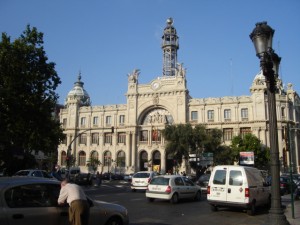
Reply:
x=74, y=195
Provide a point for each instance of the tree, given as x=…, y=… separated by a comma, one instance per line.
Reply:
x=250, y=143
x=93, y=163
x=27, y=99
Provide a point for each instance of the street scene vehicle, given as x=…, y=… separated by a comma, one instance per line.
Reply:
x=203, y=182
x=237, y=186
x=83, y=179
x=31, y=200
x=33, y=173
x=140, y=180
x=172, y=188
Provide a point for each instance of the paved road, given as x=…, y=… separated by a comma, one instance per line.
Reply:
x=161, y=212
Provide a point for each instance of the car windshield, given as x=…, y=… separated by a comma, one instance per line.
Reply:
x=160, y=181
x=141, y=175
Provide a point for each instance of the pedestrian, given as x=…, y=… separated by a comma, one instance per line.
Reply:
x=74, y=195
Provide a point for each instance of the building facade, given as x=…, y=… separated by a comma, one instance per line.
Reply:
x=127, y=137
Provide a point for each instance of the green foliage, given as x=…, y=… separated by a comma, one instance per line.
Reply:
x=250, y=143
x=27, y=98
x=93, y=163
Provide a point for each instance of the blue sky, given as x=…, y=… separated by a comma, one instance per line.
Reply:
x=106, y=40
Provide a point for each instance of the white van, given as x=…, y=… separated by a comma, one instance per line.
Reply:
x=237, y=186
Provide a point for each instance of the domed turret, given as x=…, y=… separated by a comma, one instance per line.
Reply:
x=78, y=94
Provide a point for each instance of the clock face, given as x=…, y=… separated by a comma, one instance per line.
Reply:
x=155, y=85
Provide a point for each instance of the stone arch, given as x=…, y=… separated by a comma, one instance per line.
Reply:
x=120, y=161
x=155, y=115
x=107, y=159
x=94, y=154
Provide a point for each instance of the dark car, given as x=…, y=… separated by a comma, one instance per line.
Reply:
x=83, y=179
x=286, y=184
x=203, y=182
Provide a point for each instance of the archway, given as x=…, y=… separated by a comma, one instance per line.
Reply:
x=143, y=161
x=156, y=161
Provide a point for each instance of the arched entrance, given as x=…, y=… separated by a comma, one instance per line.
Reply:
x=156, y=161
x=143, y=161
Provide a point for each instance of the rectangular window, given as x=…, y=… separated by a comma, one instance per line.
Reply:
x=227, y=114
x=108, y=138
x=210, y=115
x=82, y=139
x=244, y=114
x=95, y=121
x=122, y=119
x=194, y=115
x=122, y=137
x=95, y=138
x=108, y=121
x=245, y=130
x=220, y=177
x=227, y=134
x=65, y=123
x=82, y=121
x=64, y=141
x=144, y=135
x=283, y=112
x=235, y=178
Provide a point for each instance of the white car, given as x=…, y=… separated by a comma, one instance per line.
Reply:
x=140, y=180
x=32, y=200
x=172, y=188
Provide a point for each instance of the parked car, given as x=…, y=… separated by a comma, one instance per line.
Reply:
x=28, y=200
x=286, y=184
x=128, y=177
x=140, y=180
x=34, y=173
x=237, y=186
x=203, y=182
x=83, y=179
x=172, y=188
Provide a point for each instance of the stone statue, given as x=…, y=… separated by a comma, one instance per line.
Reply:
x=133, y=77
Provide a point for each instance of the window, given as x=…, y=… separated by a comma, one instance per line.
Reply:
x=107, y=159
x=235, y=178
x=64, y=140
x=245, y=130
x=227, y=114
x=156, y=135
x=65, y=123
x=82, y=139
x=194, y=115
x=122, y=137
x=121, y=159
x=107, y=138
x=95, y=138
x=63, y=158
x=95, y=121
x=94, y=155
x=283, y=112
x=210, y=115
x=244, y=114
x=82, y=158
x=227, y=134
x=82, y=121
x=108, y=120
x=144, y=135
x=220, y=177
x=122, y=119
x=32, y=195
x=178, y=181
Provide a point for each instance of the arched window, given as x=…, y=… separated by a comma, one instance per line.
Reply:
x=107, y=158
x=121, y=159
x=63, y=158
x=82, y=158
x=94, y=155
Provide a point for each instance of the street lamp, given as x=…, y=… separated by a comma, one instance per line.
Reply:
x=262, y=37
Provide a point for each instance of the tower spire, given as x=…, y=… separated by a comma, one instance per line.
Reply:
x=170, y=46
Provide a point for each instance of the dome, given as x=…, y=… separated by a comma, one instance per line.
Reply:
x=259, y=78
x=79, y=93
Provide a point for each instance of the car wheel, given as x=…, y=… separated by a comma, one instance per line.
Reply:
x=251, y=210
x=174, y=198
x=114, y=221
x=150, y=199
x=213, y=208
x=198, y=196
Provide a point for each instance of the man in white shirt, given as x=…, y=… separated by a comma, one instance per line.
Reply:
x=79, y=208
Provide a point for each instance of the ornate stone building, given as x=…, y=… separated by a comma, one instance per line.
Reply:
x=127, y=137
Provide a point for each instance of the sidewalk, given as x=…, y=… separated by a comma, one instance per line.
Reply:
x=286, y=200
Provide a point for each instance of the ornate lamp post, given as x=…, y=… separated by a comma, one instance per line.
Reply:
x=262, y=37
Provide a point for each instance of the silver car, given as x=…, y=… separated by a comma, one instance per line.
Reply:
x=31, y=200
x=173, y=188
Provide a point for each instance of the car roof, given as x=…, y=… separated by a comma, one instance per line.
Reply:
x=169, y=176
x=19, y=180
